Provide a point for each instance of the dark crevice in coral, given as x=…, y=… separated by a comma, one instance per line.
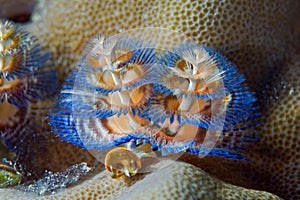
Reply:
x=21, y=18
x=19, y=11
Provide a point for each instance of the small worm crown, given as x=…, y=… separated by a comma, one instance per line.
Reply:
x=24, y=71
x=27, y=78
x=126, y=90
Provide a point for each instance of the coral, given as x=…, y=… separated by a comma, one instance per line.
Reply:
x=275, y=160
x=17, y=10
x=255, y=35
x=177, y=181
x=61, y=155
x=169, y=182
x=280, y=144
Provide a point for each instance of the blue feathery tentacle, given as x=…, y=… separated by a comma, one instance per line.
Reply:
x=241, y=106
x=89, y=115
x=157, y=112
x=101, y=100
x=27, y=75
x=27, y=80
x=128, y=58
x=89, y=133
x=40, y=85
x=63, y=126
x=185, y=66
x=83, y=101
x=22, y=53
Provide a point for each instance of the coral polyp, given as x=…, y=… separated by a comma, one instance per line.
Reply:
x=175, y=100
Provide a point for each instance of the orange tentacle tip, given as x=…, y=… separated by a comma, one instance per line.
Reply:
x=122, y=161
x=117, y=63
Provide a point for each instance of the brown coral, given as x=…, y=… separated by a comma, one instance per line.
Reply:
x=255, y=35
x=17, y=10
x=177, y=181
x=275, y=159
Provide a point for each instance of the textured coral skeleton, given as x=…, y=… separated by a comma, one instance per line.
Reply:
x=256, y=36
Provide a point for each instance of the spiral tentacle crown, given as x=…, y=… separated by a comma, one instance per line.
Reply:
x=27, y=77
x=180, y=99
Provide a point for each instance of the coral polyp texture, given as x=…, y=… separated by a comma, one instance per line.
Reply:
x=238, y=29
x=125, y=90
x=169, y=184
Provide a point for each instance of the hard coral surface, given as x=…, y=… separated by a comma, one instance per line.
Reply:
x=255, y=35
